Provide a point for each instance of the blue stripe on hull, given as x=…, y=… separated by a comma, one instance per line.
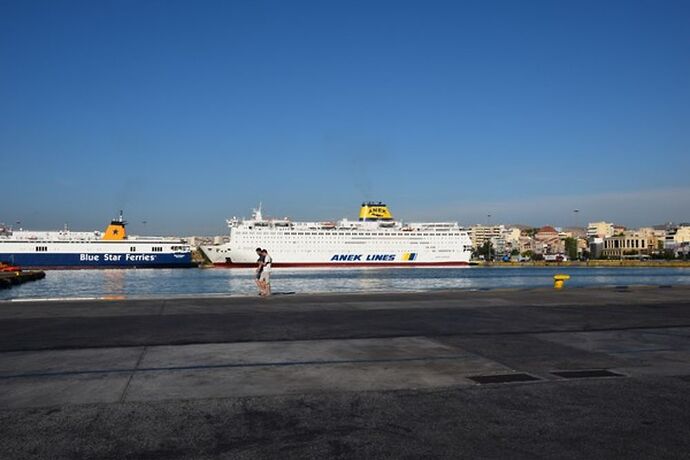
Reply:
x=102, y=260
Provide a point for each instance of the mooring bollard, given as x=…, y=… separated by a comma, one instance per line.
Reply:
x=559, y=280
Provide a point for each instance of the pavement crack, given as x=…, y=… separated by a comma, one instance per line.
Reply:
x=131, y=376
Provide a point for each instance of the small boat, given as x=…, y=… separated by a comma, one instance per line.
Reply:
x=9, y=268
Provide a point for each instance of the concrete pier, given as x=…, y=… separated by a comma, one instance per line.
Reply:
x=443, y=374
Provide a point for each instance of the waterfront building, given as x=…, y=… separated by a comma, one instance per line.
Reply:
x=499, y=245
x=630, y=243
x=511, y=238
x=512, y=235
x=596, y=247
x=575, y=232
x=480, y=234
x=599, y=230
x=677, y=239
x=197, y=241
x=526, y=243
x=548, y=241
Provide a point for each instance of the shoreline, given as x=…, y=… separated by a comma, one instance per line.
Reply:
x=349, y=295
x=589, y=263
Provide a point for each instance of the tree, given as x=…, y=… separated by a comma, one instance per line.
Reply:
x=531, y=232
x=486, y=250
x=571, y=248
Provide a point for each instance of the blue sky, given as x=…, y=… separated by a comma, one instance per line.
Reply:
x=184, y=113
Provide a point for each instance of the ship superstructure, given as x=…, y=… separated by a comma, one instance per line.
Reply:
x=110, y=249
x=375, y=240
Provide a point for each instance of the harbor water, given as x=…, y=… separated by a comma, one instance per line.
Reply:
x=130, y=283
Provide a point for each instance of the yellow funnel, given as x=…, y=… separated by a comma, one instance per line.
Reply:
x=374, y=211
x=116, y=229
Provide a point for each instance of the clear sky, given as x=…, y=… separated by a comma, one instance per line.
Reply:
x=183, y=113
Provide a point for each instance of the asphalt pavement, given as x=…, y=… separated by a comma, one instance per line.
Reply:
x=447, y=374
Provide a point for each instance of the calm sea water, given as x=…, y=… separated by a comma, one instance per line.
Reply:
x=183, y=282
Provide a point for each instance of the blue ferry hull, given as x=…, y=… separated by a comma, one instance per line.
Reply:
x=98, y=260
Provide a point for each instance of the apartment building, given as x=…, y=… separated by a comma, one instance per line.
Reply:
x=677, y=239
x=480, y=234
x=599, y=230
x=548, y=240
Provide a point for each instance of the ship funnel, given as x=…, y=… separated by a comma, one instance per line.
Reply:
x=371, y=212
x=116, y=229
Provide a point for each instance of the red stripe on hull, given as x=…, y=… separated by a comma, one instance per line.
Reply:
x=107, y=267
x=346, y=264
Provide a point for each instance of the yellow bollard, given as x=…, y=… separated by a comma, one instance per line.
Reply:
x=559, y=280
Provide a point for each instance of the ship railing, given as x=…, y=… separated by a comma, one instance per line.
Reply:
x=148, y=239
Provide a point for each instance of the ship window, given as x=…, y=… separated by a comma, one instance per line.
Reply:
x=133, y=249
x=156, y=249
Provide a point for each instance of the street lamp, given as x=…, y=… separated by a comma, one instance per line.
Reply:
x=487, y=237
x=575, y=213
x=575, y=233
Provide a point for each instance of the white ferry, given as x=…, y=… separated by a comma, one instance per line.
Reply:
x=375, y=240
x=109, y=249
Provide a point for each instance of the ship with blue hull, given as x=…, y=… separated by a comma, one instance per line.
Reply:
x=110, y=249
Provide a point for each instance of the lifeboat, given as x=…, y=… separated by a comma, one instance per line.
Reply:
x=328, y=225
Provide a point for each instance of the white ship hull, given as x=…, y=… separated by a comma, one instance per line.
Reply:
x=346, y=244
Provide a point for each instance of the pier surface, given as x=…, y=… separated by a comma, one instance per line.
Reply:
x=443, y=374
